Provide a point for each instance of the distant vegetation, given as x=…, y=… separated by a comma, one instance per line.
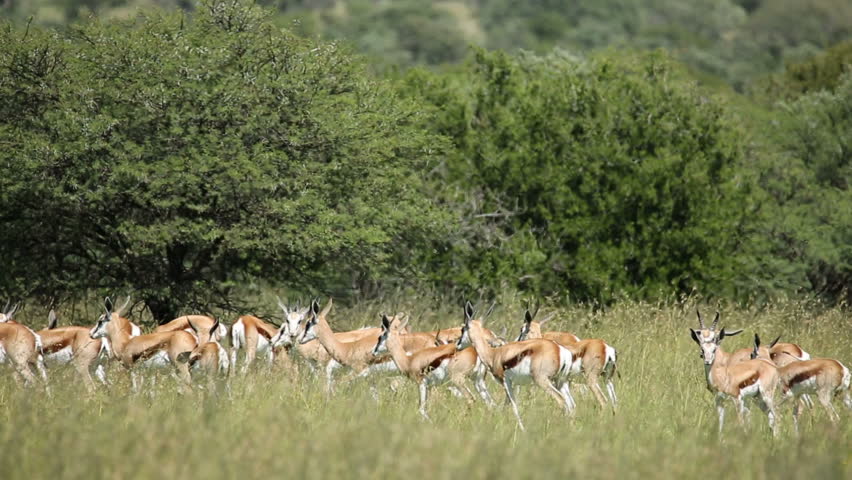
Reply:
x=194, y=156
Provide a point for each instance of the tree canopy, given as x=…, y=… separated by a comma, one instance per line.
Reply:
x=179, y=157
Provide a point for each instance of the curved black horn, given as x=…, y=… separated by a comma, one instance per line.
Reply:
x=700, y=320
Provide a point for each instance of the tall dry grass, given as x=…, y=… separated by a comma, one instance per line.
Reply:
x=274, y=425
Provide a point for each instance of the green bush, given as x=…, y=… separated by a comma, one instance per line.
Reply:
x=592, y=177
x=183, y=157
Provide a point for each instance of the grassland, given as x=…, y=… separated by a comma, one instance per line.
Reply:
x=274, y=425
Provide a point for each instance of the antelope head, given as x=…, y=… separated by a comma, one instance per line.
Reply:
x=309, y=331
x=398, y=323
x=204, y=335
x=708, y=339
x=100, y=328
x=464, y=338
x=110, y=317
x=294, y=319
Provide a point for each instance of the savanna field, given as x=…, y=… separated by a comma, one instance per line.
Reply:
x=273, y=423
x=621, y=162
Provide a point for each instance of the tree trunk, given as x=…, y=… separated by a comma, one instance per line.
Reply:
x=163, y=310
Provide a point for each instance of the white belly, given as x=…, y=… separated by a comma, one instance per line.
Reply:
x=388, y=366
x=2, y=354
x=520, y=373
x=805, y=386
x=440, y=374
x=159, y=359
x=750, y=390
x=262, y=344
x=60, y=356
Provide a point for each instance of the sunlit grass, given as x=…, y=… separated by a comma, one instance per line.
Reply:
x=270, y=424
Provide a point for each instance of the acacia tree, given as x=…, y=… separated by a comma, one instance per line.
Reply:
x=178, y=157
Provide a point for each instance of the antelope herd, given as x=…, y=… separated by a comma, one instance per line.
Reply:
x=460, y=355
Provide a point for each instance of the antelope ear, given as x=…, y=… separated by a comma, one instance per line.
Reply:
x=215, y=328
x=315, y=308
x=694, y=335
x=756, y=342
x=468, y=310
x=51, y=320
x=528, y=317
x=385, y=322
x=775, y=341
x=723, y=333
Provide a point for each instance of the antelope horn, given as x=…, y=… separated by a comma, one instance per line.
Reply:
x=281, y=304
x=700, y=320
x=547, y=318
x=120, y=311
x=715, y=321
x=491, y=309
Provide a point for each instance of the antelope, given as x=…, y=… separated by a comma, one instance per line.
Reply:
x=781, y=354
x=739, y=381
x=191, y=323
x=73, y=344
x=593, y=357
x=22, y=348
x=825, y=377
x=209, y=357
x=252, y=334
x=357, y=354
x=151, y=349
x=544, y=362
x=432, y=365
x=259, y=337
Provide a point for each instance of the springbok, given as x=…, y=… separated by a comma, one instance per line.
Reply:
x=825, y=377
x=253, y=335
x=593, y=357
x=737, y=380
x=73, y=345
x=781, y=354
x=432, y=365
x=192, y=324
x=545, y=362
x=257, y=336
x=210, y=357
x=150, y=350
x=22, y=348
x=315, y=355
x=357, y=354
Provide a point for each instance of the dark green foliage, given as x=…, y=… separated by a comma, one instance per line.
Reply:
x=822, y=72
x=181, y=157
x=810, y=183
x=595, y=178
